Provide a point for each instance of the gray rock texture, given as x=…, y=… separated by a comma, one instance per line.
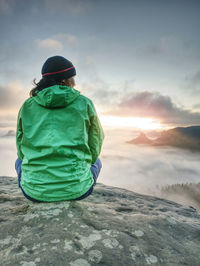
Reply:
x=111, y=227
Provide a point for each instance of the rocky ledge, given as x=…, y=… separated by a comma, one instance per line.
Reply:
x=111, y=227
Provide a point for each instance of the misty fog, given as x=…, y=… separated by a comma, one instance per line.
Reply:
x=142, y=169
x=145, y=169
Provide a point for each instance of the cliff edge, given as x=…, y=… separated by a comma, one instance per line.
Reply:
x=111, y=227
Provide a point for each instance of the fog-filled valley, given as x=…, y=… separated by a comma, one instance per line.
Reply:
x=141, y=168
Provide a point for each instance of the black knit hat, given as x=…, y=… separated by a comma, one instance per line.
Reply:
x=58, y=68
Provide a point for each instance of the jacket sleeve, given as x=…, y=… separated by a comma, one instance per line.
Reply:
x=19, y=135
x=96, y=134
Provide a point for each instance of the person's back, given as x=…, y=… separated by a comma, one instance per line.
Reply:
x=59, y=137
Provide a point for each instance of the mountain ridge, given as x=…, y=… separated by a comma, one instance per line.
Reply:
x=182, y=137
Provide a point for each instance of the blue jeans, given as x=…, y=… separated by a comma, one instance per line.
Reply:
x=95, y=169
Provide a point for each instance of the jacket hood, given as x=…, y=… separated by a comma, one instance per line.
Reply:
x=56, y=96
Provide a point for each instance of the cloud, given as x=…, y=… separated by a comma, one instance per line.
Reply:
x=192, y=83
x=69, y=7
x=167, y=45
x=6, y=118
x=58, y=41
x=12, y=96
x=6, y=6
x=7, y=124
x=50, y=43
x=157, y=106
x=196, y=106
x=97, y=88
x=73, y=7
x=66, y=38
x=145, y=169
x=100, y=92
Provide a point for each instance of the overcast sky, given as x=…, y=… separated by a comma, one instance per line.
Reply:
x=135, y=58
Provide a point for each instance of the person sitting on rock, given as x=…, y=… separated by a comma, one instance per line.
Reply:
x=59, y=138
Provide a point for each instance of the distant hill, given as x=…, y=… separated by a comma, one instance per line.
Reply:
x=10, y=133
x=141, y=139
x=182, y=137
x=188, y=194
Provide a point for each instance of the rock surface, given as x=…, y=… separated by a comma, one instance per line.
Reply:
x=111, y=227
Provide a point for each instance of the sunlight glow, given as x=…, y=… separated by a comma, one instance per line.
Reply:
x=130, y=122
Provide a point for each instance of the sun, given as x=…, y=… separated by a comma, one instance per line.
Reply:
x=131, y=122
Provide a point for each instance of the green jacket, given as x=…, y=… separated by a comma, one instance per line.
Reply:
x=58, y=137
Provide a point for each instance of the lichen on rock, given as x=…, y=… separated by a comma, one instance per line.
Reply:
x=111, y=227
